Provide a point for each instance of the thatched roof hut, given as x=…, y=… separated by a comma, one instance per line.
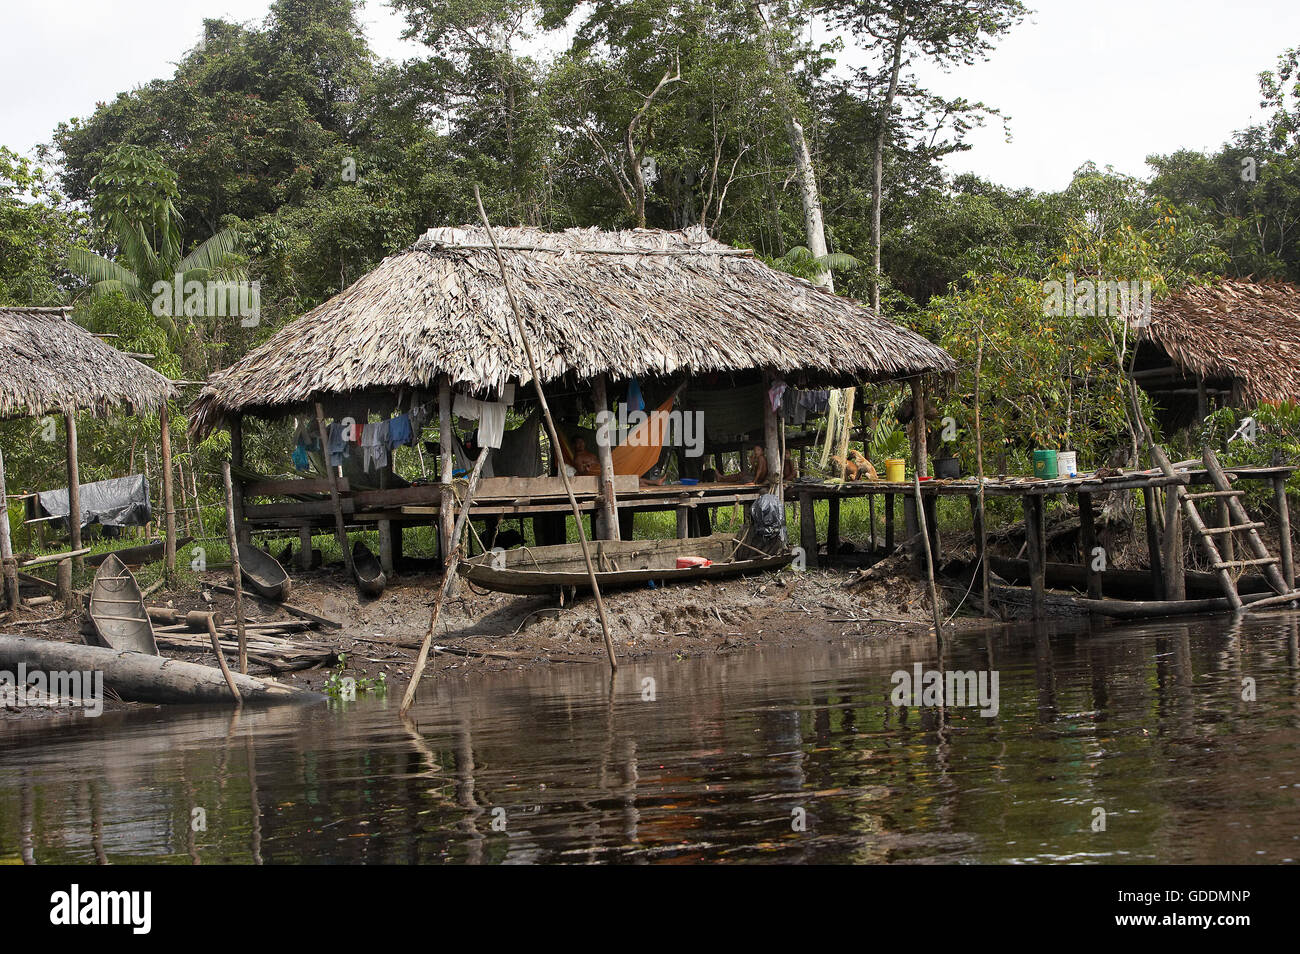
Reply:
x=634, y=303
x=1238, y=338
x=50, y=363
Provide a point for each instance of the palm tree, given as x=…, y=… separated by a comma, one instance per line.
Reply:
x=135, y=201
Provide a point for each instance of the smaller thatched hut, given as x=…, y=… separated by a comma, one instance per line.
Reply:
x=50, y=364
x=1233, y=342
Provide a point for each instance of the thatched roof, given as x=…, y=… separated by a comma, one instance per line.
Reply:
x=1235, y=330
x=643, y=302
x=50, y=363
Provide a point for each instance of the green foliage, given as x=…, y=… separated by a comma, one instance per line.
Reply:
x=1264, y=436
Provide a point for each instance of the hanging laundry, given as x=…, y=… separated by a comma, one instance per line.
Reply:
x=337, y=445
x=300, y=459
x=492, y=423
x=774, y=394
x=399, y=431
x=374, y=445
x=467, y=407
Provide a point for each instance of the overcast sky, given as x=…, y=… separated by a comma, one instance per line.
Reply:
x=1107, y=80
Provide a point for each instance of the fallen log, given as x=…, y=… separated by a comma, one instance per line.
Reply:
x=1153, y=609
x=137, y=677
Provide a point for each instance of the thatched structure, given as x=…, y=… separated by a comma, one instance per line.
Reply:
x=1239, y=338
x=634, y=303
x=48, y=363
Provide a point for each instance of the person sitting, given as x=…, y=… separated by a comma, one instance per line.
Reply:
x=585, y=463
x=758, y=464
x=789, y=470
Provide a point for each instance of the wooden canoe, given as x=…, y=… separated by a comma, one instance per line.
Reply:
x=367, y=571
x=618, y=563
x=117, y=614
x=263, y=573
x=137, y=555
x=1154, y=609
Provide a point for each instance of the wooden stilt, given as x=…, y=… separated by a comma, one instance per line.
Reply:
x=1033, y=509
x=234, y=562
x=920, y=453
x=7, y=563
x=1088, y=542
x=237, y=460
x=683, y=521
x=446, y=447
x=221, y=657
x=169, y=503
x=929, y=559
x=833, y=531
x=1153, y=543
x=336, y=503
x=1172, y=555
x=1284, y=531
x=889, y=523
x=304, y=546
x=808, y=530
x=74, y=485
x=605, y=453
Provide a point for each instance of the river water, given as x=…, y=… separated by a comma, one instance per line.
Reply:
x=1166, y=742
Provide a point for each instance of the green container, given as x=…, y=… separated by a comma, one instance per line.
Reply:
x=1045, y=464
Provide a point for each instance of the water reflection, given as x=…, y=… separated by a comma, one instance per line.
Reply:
x=791, y=755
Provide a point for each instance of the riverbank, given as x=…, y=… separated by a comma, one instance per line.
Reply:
x=484, y=631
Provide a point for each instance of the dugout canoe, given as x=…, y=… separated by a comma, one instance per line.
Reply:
x=116, y=609
x=618, y=563
x=263, y=573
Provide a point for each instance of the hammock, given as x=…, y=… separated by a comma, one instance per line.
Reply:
x=642, y=449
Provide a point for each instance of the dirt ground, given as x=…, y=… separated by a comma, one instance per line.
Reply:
x=482, y=631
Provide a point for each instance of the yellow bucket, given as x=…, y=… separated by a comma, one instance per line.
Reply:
x=895, y=470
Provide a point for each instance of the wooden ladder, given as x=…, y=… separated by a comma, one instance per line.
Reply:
x=1238, y=522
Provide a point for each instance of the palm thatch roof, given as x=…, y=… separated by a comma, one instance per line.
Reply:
x=1242, y=331
x=50, y=363
x=641, y=302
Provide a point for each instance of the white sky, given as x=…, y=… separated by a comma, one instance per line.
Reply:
x=1107, y=80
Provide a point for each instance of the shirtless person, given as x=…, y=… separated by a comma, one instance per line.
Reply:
x=758, y=464
x=585, y=463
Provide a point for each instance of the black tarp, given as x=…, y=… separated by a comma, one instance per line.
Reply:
x=120, y=502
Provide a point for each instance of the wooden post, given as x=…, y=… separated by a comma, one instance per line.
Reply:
x=683, y=520
x=304, y=546
x=6, y=545
x=335, y=500
x=604, y=451
x=833, y=529
x=386, y=546
x=1088, y=540
x=237, y=460
x=446, y=447
x=871, y=519
x=1172, y=556
x=233, y=540
x=74, y=486
x=929, y=558
x=1284, y=531
x=920, y=454
x=63, y=584
x=772, y=443
x=889, y=523
x=808, y=530
x=1153, y=543
x=211, y=624
x=1033, y=507
x=169, y=504
x=978, y=501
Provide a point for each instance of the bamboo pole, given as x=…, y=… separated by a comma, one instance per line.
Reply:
x=221, y=657
x=448, y=579
x=6, y=545
x=333, y=479
x=169, y=503
x=234, y=560
x=551, y=431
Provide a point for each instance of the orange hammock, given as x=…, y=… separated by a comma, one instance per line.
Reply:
x=645, y=443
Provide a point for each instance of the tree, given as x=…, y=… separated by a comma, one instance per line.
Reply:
x=947, y=33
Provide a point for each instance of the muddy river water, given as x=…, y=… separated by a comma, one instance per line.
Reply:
x=1166, y=742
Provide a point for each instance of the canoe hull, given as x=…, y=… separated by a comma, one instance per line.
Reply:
x=263, y=573
x=619, y=564
x=116, y=609
x=366, y=570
